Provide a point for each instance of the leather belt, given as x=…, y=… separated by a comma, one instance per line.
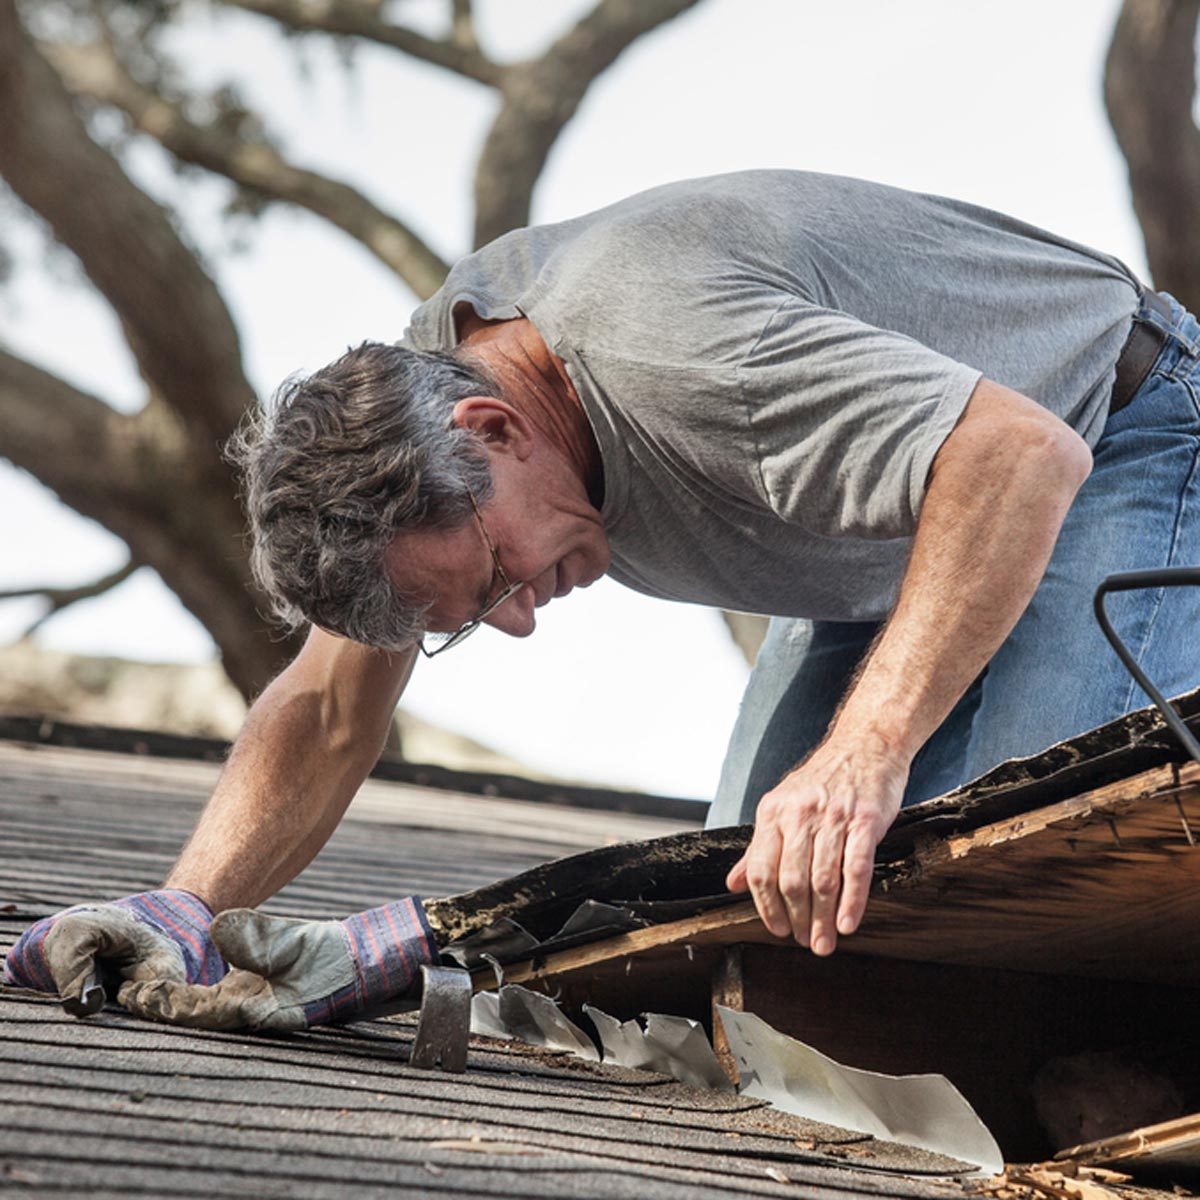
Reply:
x=1141, y=348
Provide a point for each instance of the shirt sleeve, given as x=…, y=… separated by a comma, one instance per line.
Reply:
x=847, y=419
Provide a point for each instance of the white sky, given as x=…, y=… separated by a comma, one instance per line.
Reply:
x=996, y=103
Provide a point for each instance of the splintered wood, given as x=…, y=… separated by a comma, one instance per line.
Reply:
x=1105, y=884
x=1170, y=1146
x=1054, y=1181
x=984, y=953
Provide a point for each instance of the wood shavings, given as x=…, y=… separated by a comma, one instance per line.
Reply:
x=1053, y=1182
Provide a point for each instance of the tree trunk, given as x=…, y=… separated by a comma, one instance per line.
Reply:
x=155, y=479
x=1149, y=90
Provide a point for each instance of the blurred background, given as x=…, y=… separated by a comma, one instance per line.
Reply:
x=204, y=196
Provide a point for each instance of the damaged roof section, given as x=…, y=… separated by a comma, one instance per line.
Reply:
x=112, y=1106
x=1082, y=859
x=1092, y=831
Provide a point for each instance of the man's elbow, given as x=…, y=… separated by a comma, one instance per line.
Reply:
x=1007, y=436
x=1037, y=474
x=1065, y=454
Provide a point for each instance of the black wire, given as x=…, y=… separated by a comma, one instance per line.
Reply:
x=1127, y=581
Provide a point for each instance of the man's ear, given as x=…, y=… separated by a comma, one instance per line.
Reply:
x=495, y=422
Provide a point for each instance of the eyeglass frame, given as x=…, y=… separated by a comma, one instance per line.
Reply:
x=507, y=591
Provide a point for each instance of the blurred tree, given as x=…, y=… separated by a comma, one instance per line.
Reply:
x=156, y=478
x=1150, y=93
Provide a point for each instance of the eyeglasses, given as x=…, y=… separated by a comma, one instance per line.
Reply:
x=433, y=644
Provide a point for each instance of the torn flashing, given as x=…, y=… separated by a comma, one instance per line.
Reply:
x=925, y=1111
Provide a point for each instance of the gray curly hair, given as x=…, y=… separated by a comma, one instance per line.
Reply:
x=341, y=461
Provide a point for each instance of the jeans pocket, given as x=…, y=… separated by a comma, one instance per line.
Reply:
x=1168, y=400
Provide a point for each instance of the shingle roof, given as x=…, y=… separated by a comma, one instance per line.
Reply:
x=117, y=1107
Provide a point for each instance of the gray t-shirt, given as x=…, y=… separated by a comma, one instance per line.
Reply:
x=770, y=361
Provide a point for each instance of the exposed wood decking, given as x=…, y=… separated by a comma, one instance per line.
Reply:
x=1068, y=927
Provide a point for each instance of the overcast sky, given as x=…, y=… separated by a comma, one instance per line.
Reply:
x=996, y=103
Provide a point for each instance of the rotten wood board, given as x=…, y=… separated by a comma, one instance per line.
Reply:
x=693, y=865
x=1105, y=884
x=1170, y=1146
x=1109, y=753
x=542, y=899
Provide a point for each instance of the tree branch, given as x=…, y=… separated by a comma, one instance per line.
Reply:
x=123, y=471
x=352, y=19
x=1149, y=88
x=173, y=316
x=142, y=479
x=58, y=598
x=462, y=25
x=68, y=439
x=541, y=96
x=93, y=70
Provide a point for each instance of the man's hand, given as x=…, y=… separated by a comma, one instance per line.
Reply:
x=153, y=935
x=291, y=974
x=809, y=864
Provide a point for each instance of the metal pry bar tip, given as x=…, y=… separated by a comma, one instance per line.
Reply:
x=445, y=1023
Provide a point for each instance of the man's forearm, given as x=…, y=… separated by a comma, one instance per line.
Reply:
x=1000, y=488
x=307, y=745
x=277, y=801
x=988, y=527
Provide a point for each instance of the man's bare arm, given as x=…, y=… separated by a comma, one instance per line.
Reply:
x=999, y=490
x=308, y=743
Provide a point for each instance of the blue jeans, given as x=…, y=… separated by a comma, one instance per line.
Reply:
x=1055, y=675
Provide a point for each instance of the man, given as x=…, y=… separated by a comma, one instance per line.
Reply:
x=896, y=423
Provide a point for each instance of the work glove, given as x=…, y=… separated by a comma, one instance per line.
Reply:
x=153, y=935
x=291, y=974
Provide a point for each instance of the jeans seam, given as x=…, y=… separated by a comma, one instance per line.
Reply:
x=1184, y=342
x=1192, y=394
x=1183, y=368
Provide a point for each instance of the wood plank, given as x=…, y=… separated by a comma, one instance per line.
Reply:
x=1172, y=1145
x=1106, y=803
x=718, y=924
x=1104, y=885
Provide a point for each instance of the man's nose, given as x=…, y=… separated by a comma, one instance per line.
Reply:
x=516, y=615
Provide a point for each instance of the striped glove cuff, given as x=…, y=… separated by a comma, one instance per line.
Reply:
x=387, y=946
x=185, y=919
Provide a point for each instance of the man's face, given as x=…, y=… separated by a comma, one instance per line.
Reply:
x=547, y=535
